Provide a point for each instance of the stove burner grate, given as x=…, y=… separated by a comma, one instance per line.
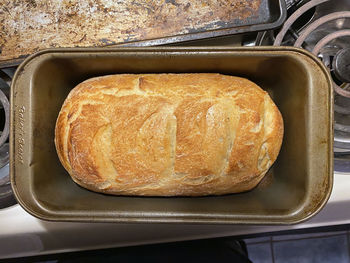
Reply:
x=6, y=195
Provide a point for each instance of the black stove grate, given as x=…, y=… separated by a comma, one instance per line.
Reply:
x=6, y=195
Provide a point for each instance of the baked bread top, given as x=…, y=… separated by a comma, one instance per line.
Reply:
x=168, y=134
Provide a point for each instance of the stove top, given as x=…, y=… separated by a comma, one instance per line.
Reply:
x=319, y=26
x=26, y=235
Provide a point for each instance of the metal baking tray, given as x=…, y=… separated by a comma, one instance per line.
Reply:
x=92, y=23
x=296, y=187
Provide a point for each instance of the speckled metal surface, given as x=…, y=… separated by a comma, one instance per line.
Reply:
x=27, y=26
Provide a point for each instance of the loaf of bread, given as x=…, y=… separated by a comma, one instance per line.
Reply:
x=168, y=134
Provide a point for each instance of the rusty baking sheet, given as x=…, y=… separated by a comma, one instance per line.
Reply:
x=30, y=25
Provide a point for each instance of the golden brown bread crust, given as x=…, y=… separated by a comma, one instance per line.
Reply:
x=168, y=134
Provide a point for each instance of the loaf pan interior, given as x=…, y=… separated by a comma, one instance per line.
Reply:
x=296, y=187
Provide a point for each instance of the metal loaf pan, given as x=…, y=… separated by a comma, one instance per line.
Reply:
x=297, y=186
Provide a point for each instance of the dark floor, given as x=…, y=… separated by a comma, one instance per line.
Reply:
x=315, y=247
x=279, y=248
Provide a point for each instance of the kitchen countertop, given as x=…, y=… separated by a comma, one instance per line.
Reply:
x=24, y=235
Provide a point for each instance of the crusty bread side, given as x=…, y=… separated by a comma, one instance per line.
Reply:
x=168, y=134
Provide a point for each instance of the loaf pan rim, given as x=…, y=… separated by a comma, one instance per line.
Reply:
x=48, y=216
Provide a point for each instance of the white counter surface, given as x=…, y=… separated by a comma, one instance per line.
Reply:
x=24, y=235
